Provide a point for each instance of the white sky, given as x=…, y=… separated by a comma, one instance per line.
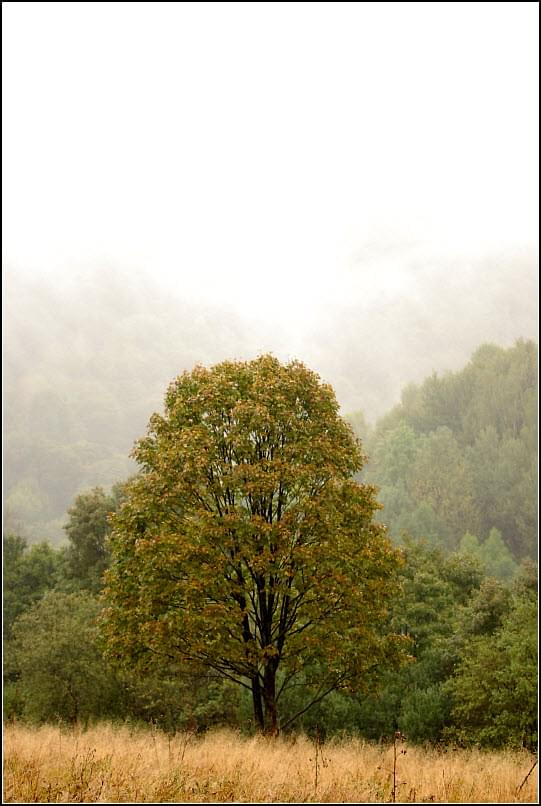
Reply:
x=252, y=153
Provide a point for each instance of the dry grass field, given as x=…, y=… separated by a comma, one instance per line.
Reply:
x=107, y=764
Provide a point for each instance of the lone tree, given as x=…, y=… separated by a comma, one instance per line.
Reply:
x=244, y=544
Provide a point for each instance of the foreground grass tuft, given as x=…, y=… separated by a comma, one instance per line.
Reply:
x=122, y=765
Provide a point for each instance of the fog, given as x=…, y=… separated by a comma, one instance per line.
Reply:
x=350, y=184
x=368, y=346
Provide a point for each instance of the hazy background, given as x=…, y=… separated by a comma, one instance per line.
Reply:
x=351, y=184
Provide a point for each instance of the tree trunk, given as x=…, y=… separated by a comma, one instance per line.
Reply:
x=258, y=703
x=269, y=698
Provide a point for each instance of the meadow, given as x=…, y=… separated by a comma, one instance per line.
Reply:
x=119, y=764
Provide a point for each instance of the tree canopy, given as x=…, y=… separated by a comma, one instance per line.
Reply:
x=56, y=661
x=459, y=454
x=500, y=706
x=27, y=574
x=245, y=545
x=87, y=530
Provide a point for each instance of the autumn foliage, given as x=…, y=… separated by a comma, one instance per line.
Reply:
x=244, y=544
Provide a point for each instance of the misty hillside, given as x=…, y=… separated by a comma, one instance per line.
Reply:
x=87, y=361
x=456, y=461
x=372, y=345
x=85, y=366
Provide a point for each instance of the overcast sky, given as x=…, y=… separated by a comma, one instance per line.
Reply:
x=273, y=157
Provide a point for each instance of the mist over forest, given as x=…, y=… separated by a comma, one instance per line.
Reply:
x=88, y=358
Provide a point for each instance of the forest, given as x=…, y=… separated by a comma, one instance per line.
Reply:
x=454, y=465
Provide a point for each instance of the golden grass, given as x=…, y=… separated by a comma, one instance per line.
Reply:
x=107, y=764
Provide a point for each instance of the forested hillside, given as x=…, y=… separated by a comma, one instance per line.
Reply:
x=86, y=362
x=85, y=365
x=456, y=460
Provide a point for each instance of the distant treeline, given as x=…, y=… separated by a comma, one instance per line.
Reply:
x=455, y=461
